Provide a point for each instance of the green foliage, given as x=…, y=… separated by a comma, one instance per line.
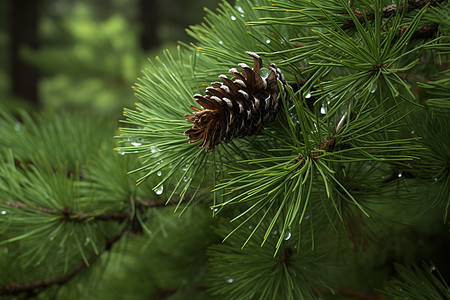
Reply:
x=253, y=272
x=351, y=177
x=417, y=283
x=93, y=64
x=339, y=141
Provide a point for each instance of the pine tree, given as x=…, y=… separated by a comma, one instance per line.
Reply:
x=343, y=193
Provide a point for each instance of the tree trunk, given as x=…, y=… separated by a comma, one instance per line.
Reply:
x=148, y=15
x=23, y=32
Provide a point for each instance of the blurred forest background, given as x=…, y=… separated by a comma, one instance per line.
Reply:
x=85, y=54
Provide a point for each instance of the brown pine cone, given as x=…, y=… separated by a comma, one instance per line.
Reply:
x=236, y=107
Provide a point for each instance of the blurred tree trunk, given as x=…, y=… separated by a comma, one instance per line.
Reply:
x=148, y=15
x=24, y=15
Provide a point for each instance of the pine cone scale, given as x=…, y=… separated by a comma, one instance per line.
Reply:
x=236, y=107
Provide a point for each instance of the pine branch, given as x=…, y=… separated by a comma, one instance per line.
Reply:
x=388, y=11
x=36, y=287
x=82, y=216
x=360, y=294
x=163, y=293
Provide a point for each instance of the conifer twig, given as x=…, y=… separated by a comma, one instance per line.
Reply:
x=360, y=294
x=387, y=11
x=36, y=287
x=70, y=216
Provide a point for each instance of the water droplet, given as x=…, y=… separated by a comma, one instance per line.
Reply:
x=288, y=236
x=435, y=179
x=374, y=88
x=216, y=209
x=154, y=149
x=307, y=217
x=240, y=9
x=233, y=18
x=159, y=190
x=412, y=132
x=230, y=280
x=267, y=41
x=264, y=72
x=185, y=168
x=432, y=268
x=52, y=238
x=159, y=173
x=324, y=109
x=220, y=42
x=308, y=95
x=120, y=151
x=275, y=232
x=136, y=144
x=250, y=227
x=4, y=212
x=17, y=126
x=185, y=179
x=400, y=174
x=88, y=240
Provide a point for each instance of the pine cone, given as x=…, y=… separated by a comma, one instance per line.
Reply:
x=236, y=107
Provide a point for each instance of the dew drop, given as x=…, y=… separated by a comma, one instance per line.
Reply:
x=220, y=42
x=185, y=179
x=435, y=179
x=120, y=151
x=432, y=268
x=17, y=126
x=159, y=173
x=308, y=95
x=230, y=280
x=288, y=236
x=185, y=168
x=264, y=72
x=307, y=217
x=400, y=174
x=136, y=144
x=324, y=109
x=374, y=88
x=412, y=132
x=267, y=41
x=154, y=149
x=233, y=18
x=4, y=212
x=159, y=190
x=52, y=238
x=240, y=9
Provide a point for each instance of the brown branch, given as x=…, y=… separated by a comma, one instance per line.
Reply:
x=76, y=217
x=37, y=286
x=387, y=11
x=163, y=293
x=360, y=294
